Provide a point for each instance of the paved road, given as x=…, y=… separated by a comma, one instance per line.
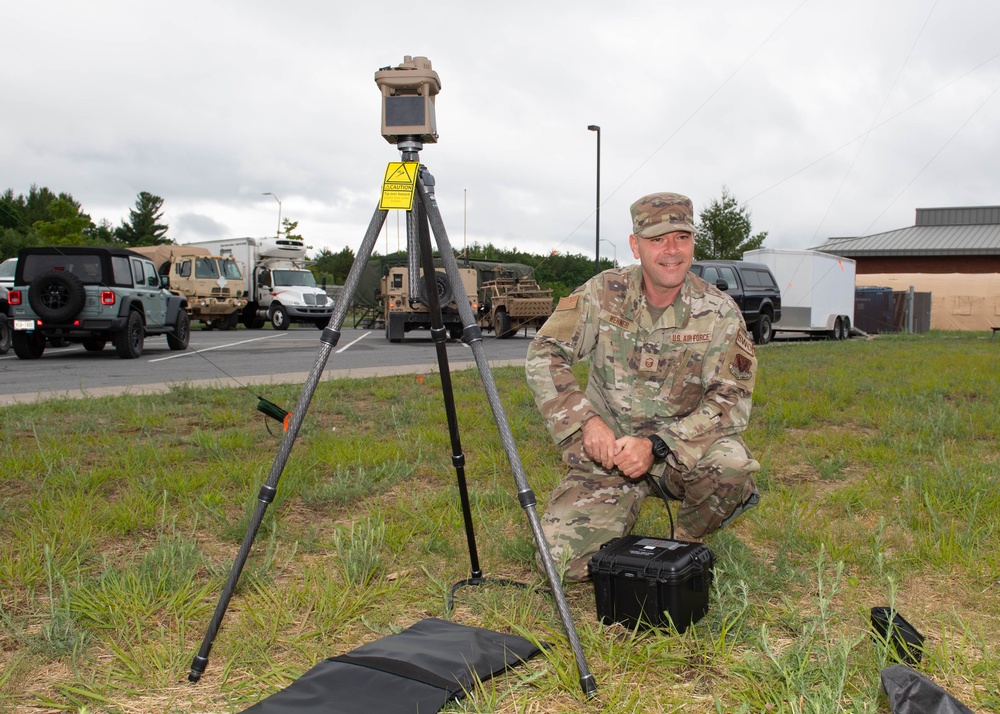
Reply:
x=234, y=358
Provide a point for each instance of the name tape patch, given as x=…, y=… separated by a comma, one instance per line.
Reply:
x=688, y=337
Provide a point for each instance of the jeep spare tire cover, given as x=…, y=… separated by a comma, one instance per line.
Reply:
x=57, y=296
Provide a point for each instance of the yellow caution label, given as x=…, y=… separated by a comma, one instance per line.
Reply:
x=399, y=185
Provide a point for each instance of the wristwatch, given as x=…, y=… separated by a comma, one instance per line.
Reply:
x=660, y=448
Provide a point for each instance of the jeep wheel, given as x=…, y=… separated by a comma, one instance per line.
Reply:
x=28, y=345
x=94, y=343
x=128, y=341
x=503, y=325
x=279, y=318
x=762, y=332
x=57, y=296
x=179, y=338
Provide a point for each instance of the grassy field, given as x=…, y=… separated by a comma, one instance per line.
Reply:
x=120, y=519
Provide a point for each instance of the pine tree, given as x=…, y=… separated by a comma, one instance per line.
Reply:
x=143, y=226
x=724, y=230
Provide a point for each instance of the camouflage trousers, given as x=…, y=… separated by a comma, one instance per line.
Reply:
x=591, y=506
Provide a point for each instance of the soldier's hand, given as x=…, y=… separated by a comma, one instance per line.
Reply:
x=633, y=456
x=599, y=442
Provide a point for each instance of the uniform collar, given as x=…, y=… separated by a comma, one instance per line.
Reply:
x=676, y=314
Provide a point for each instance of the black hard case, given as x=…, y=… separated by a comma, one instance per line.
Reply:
x=638, y=581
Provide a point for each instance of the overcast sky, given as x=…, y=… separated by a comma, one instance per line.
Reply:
x=825, y=118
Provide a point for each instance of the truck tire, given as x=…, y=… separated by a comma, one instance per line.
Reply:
x=250, y=319
x=762, y=332
x=279, y=318
x=129, y=340
x=503, y=325
x=394, y=329
x=28, y=345
x=179, y=338
x=94, y=343
x=4, y=335
x=57, y=296
x=443, y=288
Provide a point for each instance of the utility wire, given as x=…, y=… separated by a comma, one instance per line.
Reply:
x=885, y=101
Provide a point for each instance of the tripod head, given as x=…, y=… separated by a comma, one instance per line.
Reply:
x=408, y=91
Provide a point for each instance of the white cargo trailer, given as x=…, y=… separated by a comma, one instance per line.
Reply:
x=817, y=290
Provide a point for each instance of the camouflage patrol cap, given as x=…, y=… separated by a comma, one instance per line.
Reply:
x=660, y=213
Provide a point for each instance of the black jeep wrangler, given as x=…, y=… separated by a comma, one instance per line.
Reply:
x=92, y=296
x=752, y=286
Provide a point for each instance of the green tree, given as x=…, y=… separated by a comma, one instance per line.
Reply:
x=724, y=230
x=67, y=227
x=143, y=226
x=289, y=227
x=334, y=265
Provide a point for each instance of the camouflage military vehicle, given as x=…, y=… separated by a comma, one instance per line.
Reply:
x=213, y=285
x=509, y=303
x=404, y=311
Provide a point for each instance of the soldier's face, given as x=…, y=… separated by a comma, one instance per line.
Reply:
x=665, y=259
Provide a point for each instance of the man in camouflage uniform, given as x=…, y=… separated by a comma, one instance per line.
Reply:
x=669, y=391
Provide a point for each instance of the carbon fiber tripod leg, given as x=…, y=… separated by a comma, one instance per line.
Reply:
x=473, y=337
x=329, y=339
x=439, y=335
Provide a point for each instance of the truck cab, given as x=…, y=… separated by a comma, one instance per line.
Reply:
x=752, y=287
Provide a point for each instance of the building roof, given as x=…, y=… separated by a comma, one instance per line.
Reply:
x=973, y=230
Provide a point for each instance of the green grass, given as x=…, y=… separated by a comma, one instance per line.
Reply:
x=120, y=519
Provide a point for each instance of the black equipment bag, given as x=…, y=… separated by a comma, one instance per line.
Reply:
x=414, y=672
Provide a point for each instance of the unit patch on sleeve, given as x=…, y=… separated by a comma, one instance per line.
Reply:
x=741, y=367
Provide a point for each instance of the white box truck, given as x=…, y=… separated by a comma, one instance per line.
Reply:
x=817, y=290
x=279, y=287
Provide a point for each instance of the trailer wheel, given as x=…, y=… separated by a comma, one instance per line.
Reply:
x=762, y=332
x=838, y=328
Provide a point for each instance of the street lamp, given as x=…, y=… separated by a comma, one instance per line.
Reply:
x=597, y=251
x=614, y=248
x=268, y=193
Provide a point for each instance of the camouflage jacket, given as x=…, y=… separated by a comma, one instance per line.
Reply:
x=688, y=378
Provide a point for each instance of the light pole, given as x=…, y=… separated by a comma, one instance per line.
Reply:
x=614, y=248
x=268, y=193
x=597, y=251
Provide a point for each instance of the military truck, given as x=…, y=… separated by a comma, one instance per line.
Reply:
x=509, y=303
x=212, y=284
x=404, y=311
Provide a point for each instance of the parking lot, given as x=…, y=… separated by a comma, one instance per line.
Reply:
x=233, y=358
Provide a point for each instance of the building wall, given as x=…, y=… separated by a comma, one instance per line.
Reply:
x=959, y=301
x=929, y=264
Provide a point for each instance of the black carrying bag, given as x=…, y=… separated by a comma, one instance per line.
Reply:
x=912, y=693
x=414, y=672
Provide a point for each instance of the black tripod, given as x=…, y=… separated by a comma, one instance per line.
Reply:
x=418, y=237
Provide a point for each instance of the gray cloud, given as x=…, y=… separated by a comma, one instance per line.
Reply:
x=827, y=119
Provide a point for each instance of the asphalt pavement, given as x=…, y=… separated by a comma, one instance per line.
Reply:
x=237, y=358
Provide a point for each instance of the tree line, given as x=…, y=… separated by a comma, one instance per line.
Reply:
x=44, y=218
